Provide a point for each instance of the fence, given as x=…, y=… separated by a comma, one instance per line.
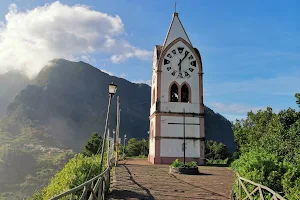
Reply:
x=258, y=191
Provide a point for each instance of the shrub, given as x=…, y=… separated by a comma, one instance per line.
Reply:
x=192, y=164
x=74, y=173
x=177, y=163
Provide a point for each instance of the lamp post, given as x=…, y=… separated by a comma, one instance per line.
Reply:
x=124, y=144
x=112, y=89
x=113, y=142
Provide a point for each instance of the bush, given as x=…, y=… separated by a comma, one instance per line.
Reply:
x=192, y=164
x=269, y=150
x=177, y=163
x=74, y=173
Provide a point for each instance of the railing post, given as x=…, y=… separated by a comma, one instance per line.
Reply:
x=105, y=130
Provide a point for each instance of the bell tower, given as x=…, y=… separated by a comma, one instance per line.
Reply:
x=177, y=109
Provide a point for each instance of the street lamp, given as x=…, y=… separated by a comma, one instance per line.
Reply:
x=114, y=133
x=112, y=89
x=124, y=144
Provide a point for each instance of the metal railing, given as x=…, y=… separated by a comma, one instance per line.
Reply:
x=95, y=188
x=258, y=191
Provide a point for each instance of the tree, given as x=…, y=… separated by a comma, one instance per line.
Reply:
x=215, y=151
x=269, y=148
x=92, y=146
x=137, y=147
x=297, y=95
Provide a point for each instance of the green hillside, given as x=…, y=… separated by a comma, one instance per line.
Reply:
x=60, y=108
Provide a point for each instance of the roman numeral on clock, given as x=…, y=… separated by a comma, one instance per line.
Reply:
x=191, y=57
x=186, y=74
x=166, y=61
x=173, y=73
x=191, y=69
x=180, y=75
x=180, y=49
x=169, y=68
x=169, y=55
x=193, y=63
x=174, y=51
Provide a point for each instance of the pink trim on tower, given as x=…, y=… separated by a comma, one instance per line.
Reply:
x=170, y=160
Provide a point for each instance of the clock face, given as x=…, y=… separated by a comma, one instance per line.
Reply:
x=180, y=62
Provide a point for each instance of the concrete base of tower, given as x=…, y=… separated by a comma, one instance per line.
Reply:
x=170, y=160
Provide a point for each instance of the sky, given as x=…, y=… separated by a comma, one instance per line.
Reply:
x=250, y=49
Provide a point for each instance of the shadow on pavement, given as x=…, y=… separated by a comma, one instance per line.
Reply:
x=126, y=194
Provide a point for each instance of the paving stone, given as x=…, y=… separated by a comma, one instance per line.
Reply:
x=139, y=179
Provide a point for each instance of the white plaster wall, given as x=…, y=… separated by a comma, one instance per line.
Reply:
x=176, y=31
x=176, y=130
x=173, y=148
x=193, y=81
x=178, y=107
x=152, y=148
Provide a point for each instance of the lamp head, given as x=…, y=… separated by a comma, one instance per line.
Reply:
x=112, y=88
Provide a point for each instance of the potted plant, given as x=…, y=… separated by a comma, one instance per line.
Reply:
x=179, y=167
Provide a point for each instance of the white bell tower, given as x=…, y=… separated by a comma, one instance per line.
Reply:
x=177, y=109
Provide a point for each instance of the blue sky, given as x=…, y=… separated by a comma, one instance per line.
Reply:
x=250, y=49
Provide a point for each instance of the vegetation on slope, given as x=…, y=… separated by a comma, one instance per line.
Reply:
x=81, y=168
x=269, y=150
x=78, y=170
x=27, y=161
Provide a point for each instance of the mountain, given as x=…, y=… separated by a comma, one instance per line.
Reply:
x=11, y=83
x=70, y=99
x=57, y=112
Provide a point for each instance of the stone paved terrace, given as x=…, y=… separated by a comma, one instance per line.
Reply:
x=139, y=179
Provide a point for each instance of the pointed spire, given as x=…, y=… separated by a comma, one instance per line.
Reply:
x=176, y=30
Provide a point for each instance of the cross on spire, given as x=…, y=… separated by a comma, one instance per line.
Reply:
x=175, y=6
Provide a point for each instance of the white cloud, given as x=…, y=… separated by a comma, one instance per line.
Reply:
x=148, y=82
x=28, y=40
x=108, y=72
x=131, y=53
x=233, y=108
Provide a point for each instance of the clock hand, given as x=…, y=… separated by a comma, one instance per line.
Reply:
x=183, y=58
x=179, y=64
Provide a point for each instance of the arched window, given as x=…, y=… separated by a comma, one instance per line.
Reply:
x=185, y=93
x=174, y=93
